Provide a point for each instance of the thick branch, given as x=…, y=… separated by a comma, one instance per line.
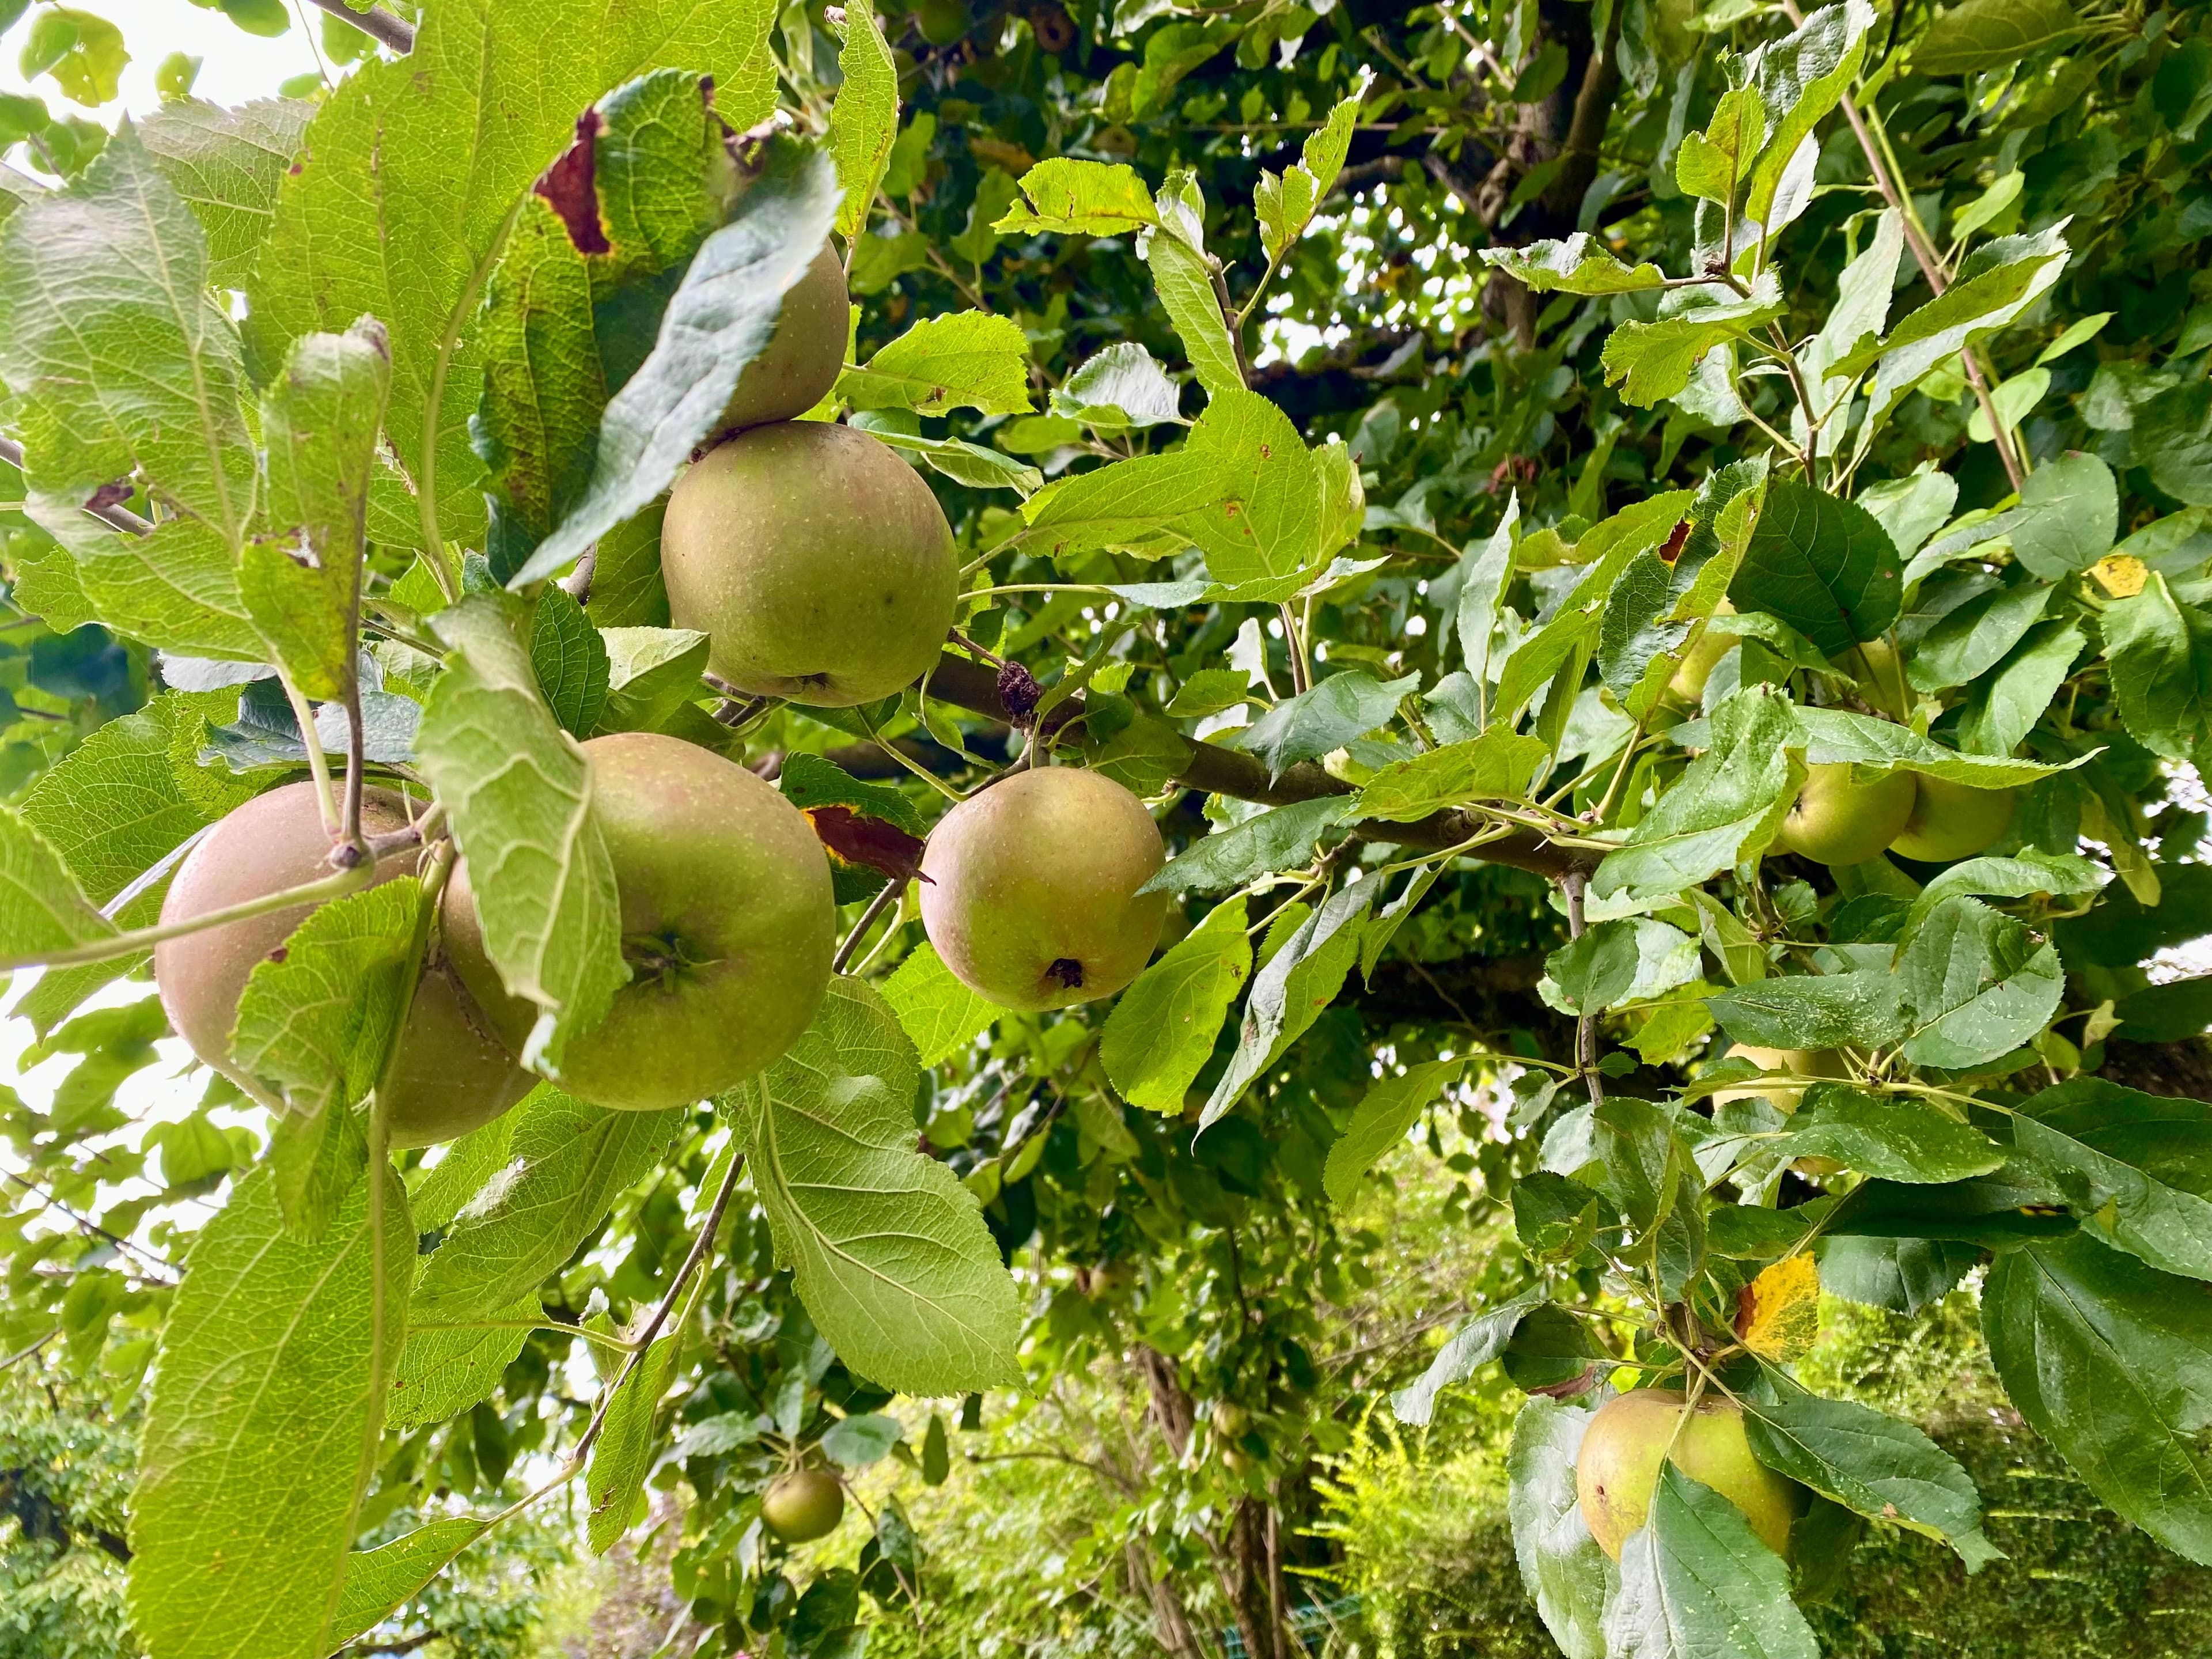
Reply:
x=1218, y=771
x=378, y=24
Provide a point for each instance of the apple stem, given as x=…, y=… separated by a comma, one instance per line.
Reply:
x=877, y=906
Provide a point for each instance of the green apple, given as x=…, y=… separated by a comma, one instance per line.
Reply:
x=451, y=1074
x=1801, y=1062
x=804, y=355
x=727, y=925
x=1618, y=1467
x=819, y=561
x=1029, y=889
x=1950, y=821
x=1705, y=651
x=1883, y=684
x=1846, y=814
x=803, y=1505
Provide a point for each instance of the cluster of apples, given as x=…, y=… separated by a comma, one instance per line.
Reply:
x=824, y=573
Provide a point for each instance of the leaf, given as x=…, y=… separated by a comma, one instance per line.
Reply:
x=652, y=675
x=1121, y=502
x=1484, y=576
x=1835, y=735
x=1979, y=34
x=42, y=909
x=1563, y=1568
x=1307, y=727
x=1890, y=1137
x=939, y=1014
x=1281, y=838
x=1885, y=1469
x=1978, y=983
x=566, y=1163
x=1579, y=264
x=1995, y=282
x=411, y=166
x=1080, y=199
x=1472, y=1346
x=320, y=420
x=1652, y=361
x=1380, y=1122
x=2136, y=1168
x=1119, y=389
x=1498, y=764
x=1267, y=518
x=2111, y=1362
x=1664, y=594
x=1801, y=78
x=1162, y=1029
x=570, y=660
x=811, y=781
x=1713, y=164
x=2173, y=435
x=378, y=1581
x=112, y=807
x=1969, y=642
x=1617, y=960
x=719, y=319
x=1696, y=1583
x=121, y=358
x=623, y=1456
x=2070, y=516
x=864, y=118
x=2005, y=707
x=1183, y=275
x=887, y=1248
x=449, y=1365
x=855, y=1442
x=176, y=589
x=1825, y=566
x=2157, y=649
x=1864, y=1010
x=1778, y=1313
x=227, y=165
x=1289, y=993
x=1723, y=808
x=518, y=794
x=963, y=359
x=263, y=1431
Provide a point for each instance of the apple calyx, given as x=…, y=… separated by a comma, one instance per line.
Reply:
x=1066, y=971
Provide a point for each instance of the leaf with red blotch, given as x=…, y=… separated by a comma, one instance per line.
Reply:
x=570, y=186
x=869, y=843
x=1675, y=540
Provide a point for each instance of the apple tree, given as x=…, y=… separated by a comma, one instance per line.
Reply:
x=800, y=709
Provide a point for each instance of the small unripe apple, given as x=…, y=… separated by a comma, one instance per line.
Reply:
x=1029, y=889
x=727, y=924
x=819, y=561
x=803, y=1505
x=451, y=1074
x=1618, y=1467
x=804, y=355
x=1839, y=818
x=1706, y=650
x=1801, y=1062
x=1950, y=821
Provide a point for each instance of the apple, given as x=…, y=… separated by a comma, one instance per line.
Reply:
x=1029, y=889
x=1846, y=814
x=1618, y=1467
x=1950, y=821
x=1802, y=1062
x=1883, y=684
x=452, y=1072
x=805, y=355
x=819, y=561
x=1705, y=651
x=803, y=1505
x=727, y=925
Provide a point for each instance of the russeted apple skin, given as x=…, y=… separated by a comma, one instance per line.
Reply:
x=1837, y=819
x=803, y=1505
x=804, y=355
x=1950, y=821
x=1618, y=1467
x=727, y=923
x=1030, y=889
x=451, y=1074
x=816, y=560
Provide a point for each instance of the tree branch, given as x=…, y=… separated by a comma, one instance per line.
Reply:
x=378, y=24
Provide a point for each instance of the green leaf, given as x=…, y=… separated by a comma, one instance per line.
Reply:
x=378, y=1581
x=1282, y=838
x=1834, y=736
x=1289, y=993
x=519, y=792
x=1380, y=1122
x=176, y=589
x=1307, y=727
x=1825, y=566
x=1183, y=275
x=2157, y=649
x=1118, y=389
x=1266, y=520
x=1814, y=1011
x=1979, y=34
x=2173, y=435
x=228, y=165
x=1723, y=808
x=1969, y=642
x=1890, y=1137
x=320, y=420
x=2111, y=1362
x=1652, y=361
x=1713, y=163
x=1627, y=958
x=263, y=1432
x=2004, y=709
x=1801, y=78
x=810, y=780
x=416, y=163
x=2070, y=515
x=1472, y=1346
x=1498, y=764
x=1996, y=284
x=623, y=1457
x=719, y=319
x=450, y=1364
x=42, y=909
x=1978, y=983
x=1121, y=502
x=1080, y=199
x=112, y=807
x=1580, y=265
x=1658, y=602
x=963, y=359
x=936, y=1011
x=1564, y=1571
x=627, y=590
x=571, y=661
x=1885, y=1469
x=856, y=1442
x=863, y=119
x=1696, y=1583
x=888, y=1249
x=1162, y=1029
x=2136, y=1168
x=652, y=673
x=122, y=359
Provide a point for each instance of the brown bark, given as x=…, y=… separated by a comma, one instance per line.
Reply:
x=1172, y=1624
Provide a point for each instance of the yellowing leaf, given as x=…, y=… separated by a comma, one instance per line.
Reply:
x=2121, y=575
x=1778, y=1315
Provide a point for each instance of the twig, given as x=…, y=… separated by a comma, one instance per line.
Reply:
x=115, y=518
x=1585, y=1024
x=85, y=1224
x=378, y=24
x=877, y=906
